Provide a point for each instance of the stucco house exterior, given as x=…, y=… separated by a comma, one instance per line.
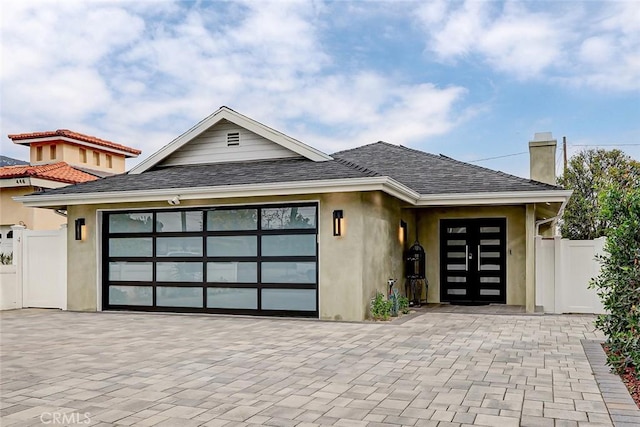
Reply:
x=235, y=217
x=56, y=159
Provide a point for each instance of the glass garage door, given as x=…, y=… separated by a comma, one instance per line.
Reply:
x=244, y=260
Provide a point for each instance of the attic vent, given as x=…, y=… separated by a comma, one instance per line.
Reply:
x=233, y=139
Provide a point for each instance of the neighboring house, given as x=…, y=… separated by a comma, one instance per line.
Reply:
x=236, y=217
x=57, y=159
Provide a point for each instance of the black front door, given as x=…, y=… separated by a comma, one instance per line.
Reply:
x=473, y=262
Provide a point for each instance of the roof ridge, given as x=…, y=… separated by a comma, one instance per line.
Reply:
x=361, y=146
x=357, y=167
x=73, y=135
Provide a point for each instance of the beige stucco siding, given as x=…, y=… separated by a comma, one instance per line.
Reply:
x=351, y=267
x=429, y=231
x=382, y=248
x=12, y=212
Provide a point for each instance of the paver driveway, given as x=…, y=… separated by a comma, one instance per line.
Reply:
x=188, y=370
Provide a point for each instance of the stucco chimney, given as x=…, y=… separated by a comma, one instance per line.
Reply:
x=542, y=158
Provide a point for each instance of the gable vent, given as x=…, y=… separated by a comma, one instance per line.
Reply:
x=233, y=138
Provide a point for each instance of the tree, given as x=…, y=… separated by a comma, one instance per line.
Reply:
x=590, y=173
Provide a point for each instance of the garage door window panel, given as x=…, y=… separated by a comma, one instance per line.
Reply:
x=179, y=247
x=131, y=295
x=232, y=219
x=179, y=296
x=233, y=298
x=232, y=246
x=182, y=221
x=179, y=271
x=130, y=271
x=232, y=272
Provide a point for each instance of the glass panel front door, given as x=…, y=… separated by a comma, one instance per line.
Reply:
x=473, y=263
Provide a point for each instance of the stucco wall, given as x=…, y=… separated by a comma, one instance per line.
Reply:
x=12, y=212
x=348, y=274
x=382, y=245
x=429, y=231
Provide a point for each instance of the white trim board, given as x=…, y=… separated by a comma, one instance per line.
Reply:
x=385, y=184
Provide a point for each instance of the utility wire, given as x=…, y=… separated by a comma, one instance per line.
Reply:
x=498, y=157
x=604, y=145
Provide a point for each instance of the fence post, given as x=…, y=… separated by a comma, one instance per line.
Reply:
x=18, y=261
x=62, y=262
x=558, y=275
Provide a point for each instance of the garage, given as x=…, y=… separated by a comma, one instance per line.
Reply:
x=260, y=260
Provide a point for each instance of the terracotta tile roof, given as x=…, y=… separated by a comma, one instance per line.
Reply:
x=73, y=135
x=60, y=172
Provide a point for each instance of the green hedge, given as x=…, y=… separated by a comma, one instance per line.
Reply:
x=618, y=284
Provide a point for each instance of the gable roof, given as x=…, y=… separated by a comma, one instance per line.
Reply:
x=431, y=174
x=416, y=177
x=225, y=113
x=59, y=172
x=29, y=138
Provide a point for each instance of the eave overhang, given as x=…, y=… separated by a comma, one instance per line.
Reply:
x=384, y=183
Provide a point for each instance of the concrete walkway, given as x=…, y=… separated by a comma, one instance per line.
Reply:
x=436, y=369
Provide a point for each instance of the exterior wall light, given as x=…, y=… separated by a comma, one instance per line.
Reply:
x=403, y=231
x=81, y=229
x=338, y=216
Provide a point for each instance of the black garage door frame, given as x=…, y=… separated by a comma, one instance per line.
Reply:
x=212, y=252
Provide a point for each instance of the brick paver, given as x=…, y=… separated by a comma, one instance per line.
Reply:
x=435, y=369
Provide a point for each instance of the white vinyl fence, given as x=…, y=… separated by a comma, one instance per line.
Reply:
x=38, y=276
x=563, y=270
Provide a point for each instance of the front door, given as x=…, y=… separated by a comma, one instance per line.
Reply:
x=473, y=261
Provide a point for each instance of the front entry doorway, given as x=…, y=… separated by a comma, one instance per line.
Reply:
x=473, y=260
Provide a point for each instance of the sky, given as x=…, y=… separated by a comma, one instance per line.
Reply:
x=473, y=80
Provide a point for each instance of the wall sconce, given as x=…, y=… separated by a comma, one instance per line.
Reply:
x=81, y=229
x=338, y=215
x=403, y=231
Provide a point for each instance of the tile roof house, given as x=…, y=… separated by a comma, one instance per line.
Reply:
x=235, y=217
x=57, y=158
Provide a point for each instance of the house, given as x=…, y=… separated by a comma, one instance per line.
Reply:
x=235, y=217
x=57, y=159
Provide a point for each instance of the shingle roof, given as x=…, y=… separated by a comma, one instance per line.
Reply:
x=73, y=135
x=60, y=172
x=422, y=172
x=431, y=174
x=221, y=174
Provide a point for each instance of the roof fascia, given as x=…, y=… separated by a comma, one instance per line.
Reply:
x=498, y=198
x=14, y=182
x=250, y=190
x=225, y=113
x=383, y=183
x=77, y=142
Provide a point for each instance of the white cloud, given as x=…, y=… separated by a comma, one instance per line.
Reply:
x=592, y=44
x=140, y=75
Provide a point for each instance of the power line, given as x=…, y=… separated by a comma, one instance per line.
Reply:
x=498, y=157
x=604, y=145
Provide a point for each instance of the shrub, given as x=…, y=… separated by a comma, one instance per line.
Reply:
x=403, y=304
x=6, y=259
x=381, y=307
x=618, y=283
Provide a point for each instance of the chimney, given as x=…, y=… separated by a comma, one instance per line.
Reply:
x=542, y=158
